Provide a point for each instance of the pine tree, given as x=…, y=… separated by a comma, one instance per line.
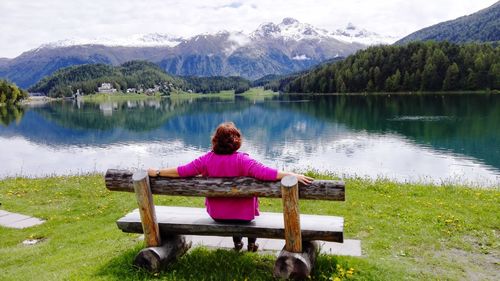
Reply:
x=450, y=82
x=429, y=77
x=392, y=84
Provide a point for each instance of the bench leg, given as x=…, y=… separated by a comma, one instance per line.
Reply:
x=154, y=259
x=296, y=266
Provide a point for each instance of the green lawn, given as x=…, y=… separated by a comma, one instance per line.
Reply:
x=253, y=93
x=98, y=97
x=408, y=232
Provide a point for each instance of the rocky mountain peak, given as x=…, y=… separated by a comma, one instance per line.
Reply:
x=350, y=26
x=266, y=29
x=289, y=21
x=289, y=29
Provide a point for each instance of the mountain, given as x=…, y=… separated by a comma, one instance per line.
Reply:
x=282, y=48
x=138, y=40
x=482, y=26
x=31, y=66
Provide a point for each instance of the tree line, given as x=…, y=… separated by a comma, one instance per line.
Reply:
x=216, y=84
x=10, y=96
x=419, y=66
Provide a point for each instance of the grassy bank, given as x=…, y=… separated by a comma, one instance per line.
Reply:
x=257, y=93
x=252, y=93
x=118, y=97
x=408, y=231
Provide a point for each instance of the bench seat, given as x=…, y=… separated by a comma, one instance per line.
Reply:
x=195, y=221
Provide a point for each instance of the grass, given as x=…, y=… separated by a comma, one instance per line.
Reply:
x=408, y=232
x=99, y=97
x=186, y=95
x=253, y=93
x=258, y=94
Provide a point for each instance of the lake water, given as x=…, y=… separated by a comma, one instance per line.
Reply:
x=431, y=137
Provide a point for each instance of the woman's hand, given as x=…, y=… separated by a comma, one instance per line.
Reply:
x=304, y=179
x=301, y=178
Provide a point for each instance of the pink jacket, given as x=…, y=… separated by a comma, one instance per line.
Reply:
x=234, y=165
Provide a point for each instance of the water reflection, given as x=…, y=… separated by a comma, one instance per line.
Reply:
x=10, y=113
x=403, y=137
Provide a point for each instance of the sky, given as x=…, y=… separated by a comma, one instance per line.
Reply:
x=27, y=24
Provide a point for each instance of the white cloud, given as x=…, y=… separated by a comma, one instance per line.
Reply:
x=30, y=23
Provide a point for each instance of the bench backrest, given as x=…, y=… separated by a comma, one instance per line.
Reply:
x=121, y=180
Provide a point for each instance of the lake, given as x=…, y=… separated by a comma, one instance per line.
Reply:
x=430, y=137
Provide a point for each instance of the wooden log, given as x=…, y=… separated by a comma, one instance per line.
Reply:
x=154, y=259
x=297, y=266
x=146, y=209
x=121, y=180
x=291, y=214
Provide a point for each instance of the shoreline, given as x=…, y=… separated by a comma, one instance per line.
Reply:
x=436, y=183
x=254, y=92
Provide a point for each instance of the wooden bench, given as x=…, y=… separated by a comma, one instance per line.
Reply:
x=163, y=226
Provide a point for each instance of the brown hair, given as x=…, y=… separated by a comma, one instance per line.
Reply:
x=227, y=139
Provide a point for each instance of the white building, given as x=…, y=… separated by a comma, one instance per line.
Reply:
x=106, y=88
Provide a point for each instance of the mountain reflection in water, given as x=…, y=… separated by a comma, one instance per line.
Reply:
x=407, y=137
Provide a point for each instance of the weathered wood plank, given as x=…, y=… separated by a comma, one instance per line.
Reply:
x=121, y=180
x=146, y=205
x=291, y=214
x=195, y=221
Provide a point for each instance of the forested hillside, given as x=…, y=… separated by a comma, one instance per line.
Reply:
x=135, y=74
x=423, y=66
x=89, y=77
x=482, y=26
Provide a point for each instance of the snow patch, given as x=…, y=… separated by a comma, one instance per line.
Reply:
x=301, y=57
x=354, y=34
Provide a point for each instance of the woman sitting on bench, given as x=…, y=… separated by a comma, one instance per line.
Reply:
x=225, y=161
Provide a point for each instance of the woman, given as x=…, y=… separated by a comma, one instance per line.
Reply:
x=225, y=161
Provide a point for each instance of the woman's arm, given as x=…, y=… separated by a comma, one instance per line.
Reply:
x=301, y=178
x=164, y=172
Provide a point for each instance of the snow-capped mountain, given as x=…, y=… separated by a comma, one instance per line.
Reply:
x=290, y=29
x=137, y=40
x=281, y=48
